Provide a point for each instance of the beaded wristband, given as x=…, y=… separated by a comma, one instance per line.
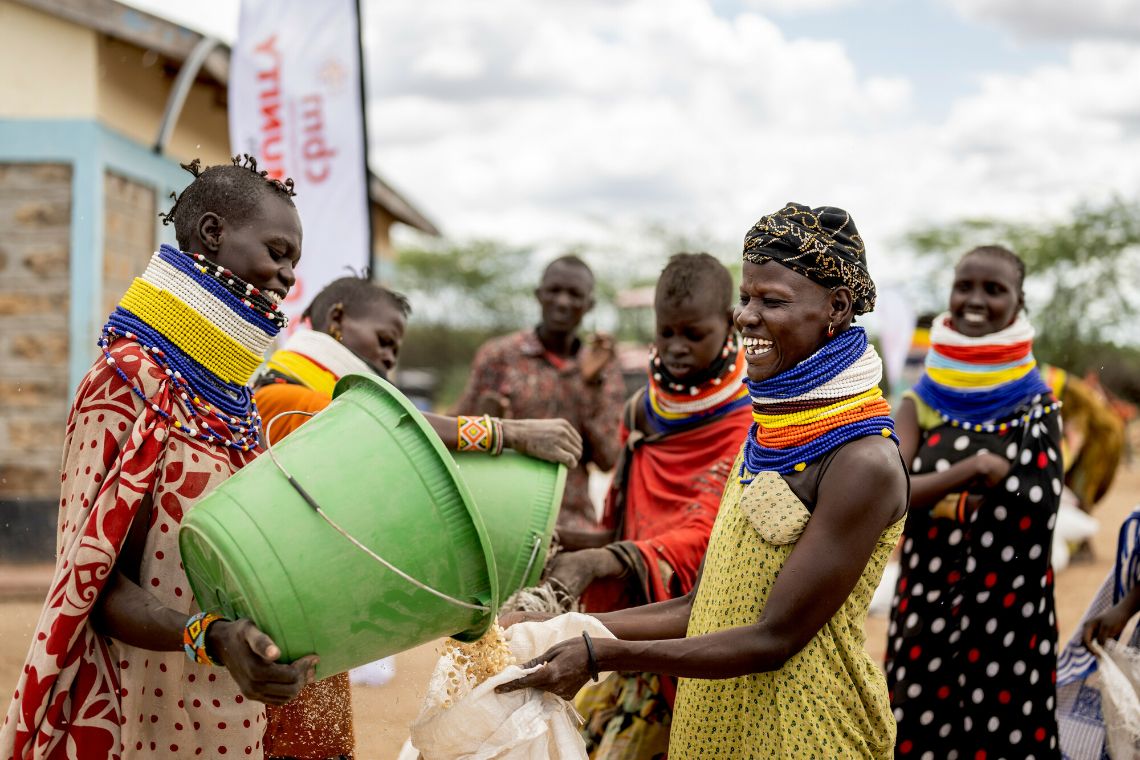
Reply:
x=194, y=637
x=591, y=660
x=475, y=434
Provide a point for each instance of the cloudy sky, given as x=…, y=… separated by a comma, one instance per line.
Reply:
x=588, y=120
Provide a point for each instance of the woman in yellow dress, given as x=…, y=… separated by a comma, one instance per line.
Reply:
x=769, y=644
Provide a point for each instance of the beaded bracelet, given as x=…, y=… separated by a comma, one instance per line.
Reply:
x=476, y=434
x=591, y=660
x=194, y=637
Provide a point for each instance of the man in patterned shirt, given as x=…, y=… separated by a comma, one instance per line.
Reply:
x=547, y=372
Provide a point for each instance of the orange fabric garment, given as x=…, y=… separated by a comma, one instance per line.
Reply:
x=275, y=398
x=318, y=723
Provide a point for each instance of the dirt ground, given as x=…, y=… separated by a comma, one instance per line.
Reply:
x=383, y=713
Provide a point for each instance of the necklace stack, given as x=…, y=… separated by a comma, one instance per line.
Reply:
x=313, y=359
x=825, y=401
x=671, y=403
x=208, y=330
x=986, y=383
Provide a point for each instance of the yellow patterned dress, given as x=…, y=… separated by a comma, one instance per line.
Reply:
x=830, y=699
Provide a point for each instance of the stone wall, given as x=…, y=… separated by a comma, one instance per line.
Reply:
x=129, y=235
x=35, y=215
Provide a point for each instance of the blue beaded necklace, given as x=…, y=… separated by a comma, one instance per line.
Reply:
x=848, y=353
x=824, y=365
x=208, y=401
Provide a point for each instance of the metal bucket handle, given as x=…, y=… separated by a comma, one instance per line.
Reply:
x=317, y=508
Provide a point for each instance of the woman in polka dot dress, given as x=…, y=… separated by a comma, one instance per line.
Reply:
x=971, y=654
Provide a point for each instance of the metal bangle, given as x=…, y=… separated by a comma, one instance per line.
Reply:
x=591, y=661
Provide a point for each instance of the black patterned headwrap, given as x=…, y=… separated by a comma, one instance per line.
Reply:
x=821, y=243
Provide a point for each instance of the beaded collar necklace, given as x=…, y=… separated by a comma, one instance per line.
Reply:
x=208, y=330
x=671, y=404
x=315, y=360
x=823, y=402
x=982, y=383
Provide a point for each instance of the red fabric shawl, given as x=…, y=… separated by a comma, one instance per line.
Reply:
x=672, y=496
x=84, y=696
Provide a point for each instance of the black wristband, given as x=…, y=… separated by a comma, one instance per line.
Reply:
x=591, y=661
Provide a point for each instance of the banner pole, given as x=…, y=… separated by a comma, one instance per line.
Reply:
x=374, y=273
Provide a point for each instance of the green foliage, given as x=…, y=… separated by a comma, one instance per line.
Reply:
x=463, y=293
x=1081, y=282
x=478, y=284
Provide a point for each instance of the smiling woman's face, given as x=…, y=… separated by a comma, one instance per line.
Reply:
x=263, y=249
x=986, y=295
x=782, y=318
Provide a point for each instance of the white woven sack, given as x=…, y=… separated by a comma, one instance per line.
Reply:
x=1118, y=678
x=521, y=725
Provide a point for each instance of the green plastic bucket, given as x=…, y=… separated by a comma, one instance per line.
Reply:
x=518, y=498
x=255, y=548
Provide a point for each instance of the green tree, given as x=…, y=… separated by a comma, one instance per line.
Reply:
x=1081, y=275
x=481, y=284
x=463, y=293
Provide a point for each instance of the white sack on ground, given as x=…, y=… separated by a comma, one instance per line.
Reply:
x=376, y=673
x=1073, y=527
x=1118, y=676
x=478, y=724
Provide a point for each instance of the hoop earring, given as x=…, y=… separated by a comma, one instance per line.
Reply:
x=830, y=330
x=336, y=334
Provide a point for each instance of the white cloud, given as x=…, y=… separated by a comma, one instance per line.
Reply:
x=587, y=120
x=582, y=125
x=796, y=6
x=1058, y=20
x=582, y=121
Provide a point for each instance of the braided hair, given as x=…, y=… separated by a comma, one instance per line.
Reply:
x=232, y=191
x=354, y=294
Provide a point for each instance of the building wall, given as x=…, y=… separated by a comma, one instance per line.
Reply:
x=134, y=85
x=128, y=234
x=56, y=69
x=78, y=206
x=49, y=66
x=35, y=214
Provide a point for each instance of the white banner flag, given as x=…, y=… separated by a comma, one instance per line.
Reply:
x=295, y=106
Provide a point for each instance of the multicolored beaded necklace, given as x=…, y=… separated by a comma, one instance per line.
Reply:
x=208, y=330
x=671, y=404
x=823, y=402
x=983, y=383
x=312, y=359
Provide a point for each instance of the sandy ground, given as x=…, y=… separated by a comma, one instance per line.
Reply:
x=383, y=713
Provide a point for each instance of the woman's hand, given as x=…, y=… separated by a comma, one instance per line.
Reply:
x=553, y=440
x=251, y=657
x=565, y=671
x=507, y=619
x=577, y=570
x=990, y=469
x=1107, y=625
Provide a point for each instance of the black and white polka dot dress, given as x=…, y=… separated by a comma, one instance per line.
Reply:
x=971, y=652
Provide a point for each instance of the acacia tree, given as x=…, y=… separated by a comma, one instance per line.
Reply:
x=1082, y=277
